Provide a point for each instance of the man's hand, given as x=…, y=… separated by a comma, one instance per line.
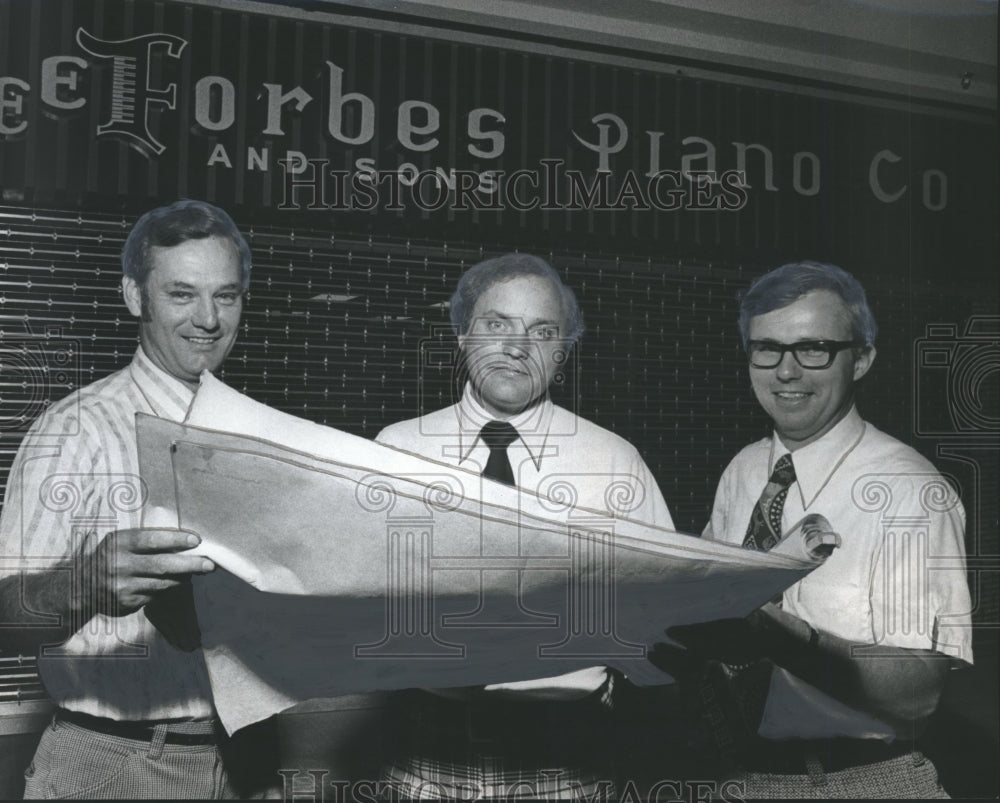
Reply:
x=732, y=641
x=900, y=686
x=124, y=571
x=130, y=567
x=736, y=642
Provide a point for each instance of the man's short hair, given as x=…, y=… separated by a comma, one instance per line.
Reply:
x=482, y=276
x=167, y=226
x=785, y=285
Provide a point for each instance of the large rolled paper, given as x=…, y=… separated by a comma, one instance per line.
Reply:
x=811, y=538
x=347, y=566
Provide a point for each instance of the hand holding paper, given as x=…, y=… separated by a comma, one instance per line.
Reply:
x=130, y=568
x=740, y=641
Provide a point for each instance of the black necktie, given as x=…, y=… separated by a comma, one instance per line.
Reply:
x=498, y=435
x=764, y=530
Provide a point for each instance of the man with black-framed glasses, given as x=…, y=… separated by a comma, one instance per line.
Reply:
x=812, y=354
x=859, y=650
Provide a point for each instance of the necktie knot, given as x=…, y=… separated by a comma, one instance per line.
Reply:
x=498, y=434
x=784, y=471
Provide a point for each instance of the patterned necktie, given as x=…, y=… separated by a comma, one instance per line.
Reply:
x=498, y=435
x=765, y=520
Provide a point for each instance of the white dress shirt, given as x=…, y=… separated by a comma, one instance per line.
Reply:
x=898, y=578
x=558, y=455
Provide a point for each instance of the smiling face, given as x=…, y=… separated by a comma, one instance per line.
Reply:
x=806, y=404
x=514, y=346
x=190, y=307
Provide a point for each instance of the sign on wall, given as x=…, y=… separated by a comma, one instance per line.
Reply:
x=119, y=102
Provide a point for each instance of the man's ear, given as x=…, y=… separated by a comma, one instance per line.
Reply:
x=863, y=361
x=132, y=294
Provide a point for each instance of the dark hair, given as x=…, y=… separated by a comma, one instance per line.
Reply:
x=785, y=285
x=482, y=276
x=171, y=225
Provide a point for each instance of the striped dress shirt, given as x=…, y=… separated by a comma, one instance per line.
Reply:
x=76, y=478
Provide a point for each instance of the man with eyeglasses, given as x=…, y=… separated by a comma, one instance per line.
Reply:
x=859, y=650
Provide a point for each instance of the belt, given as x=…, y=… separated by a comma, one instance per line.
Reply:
x=138, y=731
x=794, y=756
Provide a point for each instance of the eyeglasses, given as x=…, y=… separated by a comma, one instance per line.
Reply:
x=812, y=354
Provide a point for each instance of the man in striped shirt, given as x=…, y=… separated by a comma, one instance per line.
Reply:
x=134, y=714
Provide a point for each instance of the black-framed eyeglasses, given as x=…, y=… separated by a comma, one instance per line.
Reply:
x=812, y=354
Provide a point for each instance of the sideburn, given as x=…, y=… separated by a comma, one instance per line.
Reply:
x=144, y=305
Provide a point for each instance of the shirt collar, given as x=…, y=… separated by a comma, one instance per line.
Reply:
x=817, y=462
x=166, y=395
x=532, y=425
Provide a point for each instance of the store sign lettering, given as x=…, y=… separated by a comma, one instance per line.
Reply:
x=137, y=91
